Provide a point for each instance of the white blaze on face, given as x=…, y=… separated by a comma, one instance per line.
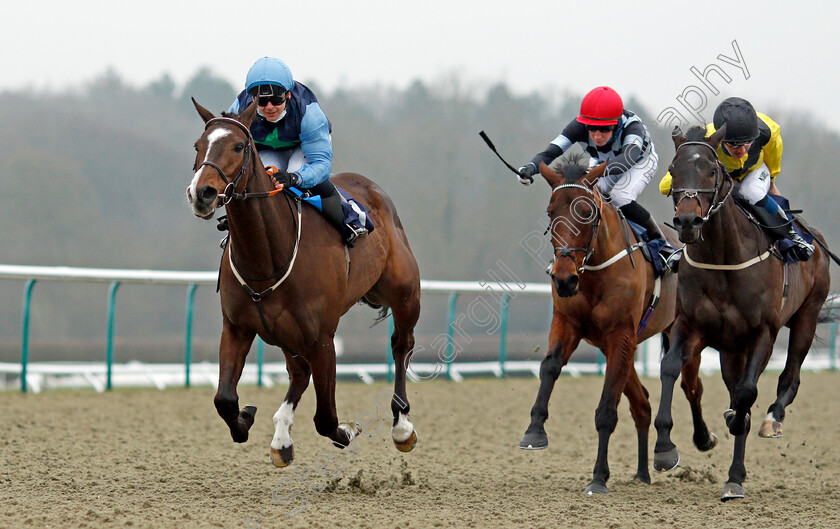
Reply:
x=213, y=137
x=282, y=424
x=403, y=430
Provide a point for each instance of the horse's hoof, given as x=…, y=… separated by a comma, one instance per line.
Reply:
x=596, y=488
x=534, y=441
x=770, y=429
x=283, y=457
x=642, y=477
x=736, y=429
x=664, y=461
x=408, y=444
x=732, y=491
x=352, y=430
x=712, y=442
x=247, y=414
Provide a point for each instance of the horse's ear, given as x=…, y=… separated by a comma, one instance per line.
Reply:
x=247, y=115
x=550, y=175
x=205, y=114
x=590, y=178
x=678, y=137
x=715, y=139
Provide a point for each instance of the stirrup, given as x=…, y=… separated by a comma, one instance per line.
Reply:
x=355, y=233
x=673, y=260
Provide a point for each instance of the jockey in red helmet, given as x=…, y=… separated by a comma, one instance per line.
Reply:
x=609, y=133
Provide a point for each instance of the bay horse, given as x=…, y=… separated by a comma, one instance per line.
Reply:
x=734, y=297
x=274, y=236
x=601, y=289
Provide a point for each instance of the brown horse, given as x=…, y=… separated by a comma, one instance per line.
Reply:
x=286, y=276
x=732, y=296
x=601, y=290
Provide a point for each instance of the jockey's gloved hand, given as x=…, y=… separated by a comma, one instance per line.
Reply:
x=287, y=179
x=526, y=174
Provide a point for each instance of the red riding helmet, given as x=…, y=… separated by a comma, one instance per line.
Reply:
x=601, y=106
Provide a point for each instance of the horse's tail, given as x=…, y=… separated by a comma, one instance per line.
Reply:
x=830, y=310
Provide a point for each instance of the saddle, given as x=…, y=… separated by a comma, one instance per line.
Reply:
x=650, y=248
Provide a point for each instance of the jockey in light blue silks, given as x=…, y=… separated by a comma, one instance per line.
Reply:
x=292, y=135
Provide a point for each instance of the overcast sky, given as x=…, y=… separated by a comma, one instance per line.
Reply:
x=644, y=48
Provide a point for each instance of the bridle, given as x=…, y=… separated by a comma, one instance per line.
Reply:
x=691, y=193
x=567, y=251
x=229, y=192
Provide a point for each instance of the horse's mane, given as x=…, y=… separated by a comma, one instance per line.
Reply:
x=696, y=133
x=572, y=166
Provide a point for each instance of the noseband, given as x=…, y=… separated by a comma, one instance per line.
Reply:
x=720, y=179
x=567, y=251
x=231, y=184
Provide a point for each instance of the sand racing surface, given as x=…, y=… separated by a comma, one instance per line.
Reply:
x=164, y=459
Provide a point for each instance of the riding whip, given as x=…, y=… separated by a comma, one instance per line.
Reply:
x=493, y=148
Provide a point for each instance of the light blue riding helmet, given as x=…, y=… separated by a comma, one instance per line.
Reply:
x=269, y=71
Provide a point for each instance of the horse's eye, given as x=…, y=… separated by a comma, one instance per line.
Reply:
x=239, y=147
x=195, y=147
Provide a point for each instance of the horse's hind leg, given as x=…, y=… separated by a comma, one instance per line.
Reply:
x=282, y=446
x=803, y=325
x=619, y=354
x=638, y=397
x=322, y=364
x=233, y=349
x=562, y=341
x=693, y=389
x=406, y=312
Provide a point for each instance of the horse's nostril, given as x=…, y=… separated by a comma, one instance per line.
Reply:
x=696, y=222
x=677, y=223
x=207, y=194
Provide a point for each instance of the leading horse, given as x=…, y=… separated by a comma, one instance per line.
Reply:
x=732, y=296
x=602, y=288
x=287, y=277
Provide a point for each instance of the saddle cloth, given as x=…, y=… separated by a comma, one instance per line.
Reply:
x=355, y=213
x=650, y=249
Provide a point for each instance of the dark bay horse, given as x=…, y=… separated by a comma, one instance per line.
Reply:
x=284, y=276
x=600, y=293
x=732, y=296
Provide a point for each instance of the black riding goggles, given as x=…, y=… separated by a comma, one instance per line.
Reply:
x=274, y=100
x=600, y=128
x=736, y=144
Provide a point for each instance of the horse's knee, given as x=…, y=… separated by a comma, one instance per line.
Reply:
x=671, y=365
x=551, y=366
x=606, y=418
x=745, y=396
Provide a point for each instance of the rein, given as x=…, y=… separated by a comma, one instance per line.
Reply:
x=231, y=184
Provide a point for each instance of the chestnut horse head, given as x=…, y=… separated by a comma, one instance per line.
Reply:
x=575, y=214
x=225, y=154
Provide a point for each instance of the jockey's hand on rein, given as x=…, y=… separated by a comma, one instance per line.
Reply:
x=526, y=174
x=286, y=179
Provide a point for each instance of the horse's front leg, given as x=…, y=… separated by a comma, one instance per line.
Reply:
x=685, y=345
x=322, y=363
x=691, y=385
x=562, y=341
x=282, y=447
x=234, y=347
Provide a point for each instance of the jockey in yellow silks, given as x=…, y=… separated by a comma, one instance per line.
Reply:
x=751, y=152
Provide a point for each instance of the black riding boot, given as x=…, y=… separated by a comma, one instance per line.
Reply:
x=331, y=209
x=635, y=212
x=778, y=226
